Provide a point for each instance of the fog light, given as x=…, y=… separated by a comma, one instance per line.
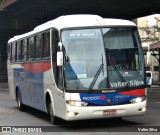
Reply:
x=72, y=113
x=142, y=109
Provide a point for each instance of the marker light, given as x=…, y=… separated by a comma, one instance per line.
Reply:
x=138, y=99
x=142, y=109
x=76, y=103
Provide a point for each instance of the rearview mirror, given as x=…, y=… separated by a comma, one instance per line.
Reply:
x=59, y=58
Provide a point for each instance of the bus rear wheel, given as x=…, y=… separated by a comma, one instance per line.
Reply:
x=54, y=120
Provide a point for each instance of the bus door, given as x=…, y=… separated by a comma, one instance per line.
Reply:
x=23, y=84
x=58, y=95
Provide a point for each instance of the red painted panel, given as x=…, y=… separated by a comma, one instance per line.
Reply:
x=38, y=67
x=138, y=92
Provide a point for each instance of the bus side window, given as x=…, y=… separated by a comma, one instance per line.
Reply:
x=13, y=52
x=148, y=74
x=46, y=46
x=18, y=50
x=38, y=46
x=24, y=49
x=31, y=48
x=55, y=39
x=10, y=52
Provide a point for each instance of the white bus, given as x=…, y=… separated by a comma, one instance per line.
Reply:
x=149, y=78
x=62, y=67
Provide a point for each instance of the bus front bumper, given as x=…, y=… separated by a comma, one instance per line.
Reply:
x=90, y=112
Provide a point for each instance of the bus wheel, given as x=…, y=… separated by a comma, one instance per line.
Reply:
x=19, y=102
x=53, y=118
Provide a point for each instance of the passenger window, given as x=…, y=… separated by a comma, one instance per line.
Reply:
x=18, y=50
x=148, y=75
x=31, y=48
x=13, y=52
x=10, y=52
x=24, y=49
x=38, y=46
x=46, y=45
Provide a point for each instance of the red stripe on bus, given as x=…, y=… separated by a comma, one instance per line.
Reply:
x=138, y=92
x=37, y=67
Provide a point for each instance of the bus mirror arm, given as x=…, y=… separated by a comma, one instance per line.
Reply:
x=148, y=58
x=60, y=55
x=59, y=58
x=60, y=46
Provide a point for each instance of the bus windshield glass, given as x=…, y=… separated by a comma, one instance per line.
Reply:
x=102, y=58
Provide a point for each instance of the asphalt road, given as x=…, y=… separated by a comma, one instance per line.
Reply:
x=11, y=116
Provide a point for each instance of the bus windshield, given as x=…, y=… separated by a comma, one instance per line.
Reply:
x=102, y=58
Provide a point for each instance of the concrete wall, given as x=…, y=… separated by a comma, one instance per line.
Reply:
x=3, y=59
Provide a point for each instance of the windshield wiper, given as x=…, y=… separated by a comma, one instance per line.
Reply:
x=120, y=75
x=96, y=76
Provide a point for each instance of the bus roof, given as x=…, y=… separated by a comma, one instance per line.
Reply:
x=71, y=21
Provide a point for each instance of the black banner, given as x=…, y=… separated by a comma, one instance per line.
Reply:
x=38, y=129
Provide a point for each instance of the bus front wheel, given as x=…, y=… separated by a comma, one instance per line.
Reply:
x=53, y=118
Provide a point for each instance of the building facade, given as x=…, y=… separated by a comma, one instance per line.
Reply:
x=149, y=31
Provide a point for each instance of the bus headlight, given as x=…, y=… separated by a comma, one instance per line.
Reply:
x=76, y=103
x=138, y=99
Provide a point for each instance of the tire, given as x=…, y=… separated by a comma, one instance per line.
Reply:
x=19, y=102
x=54, y=120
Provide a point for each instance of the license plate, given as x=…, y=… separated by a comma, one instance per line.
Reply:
x=109, y=112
